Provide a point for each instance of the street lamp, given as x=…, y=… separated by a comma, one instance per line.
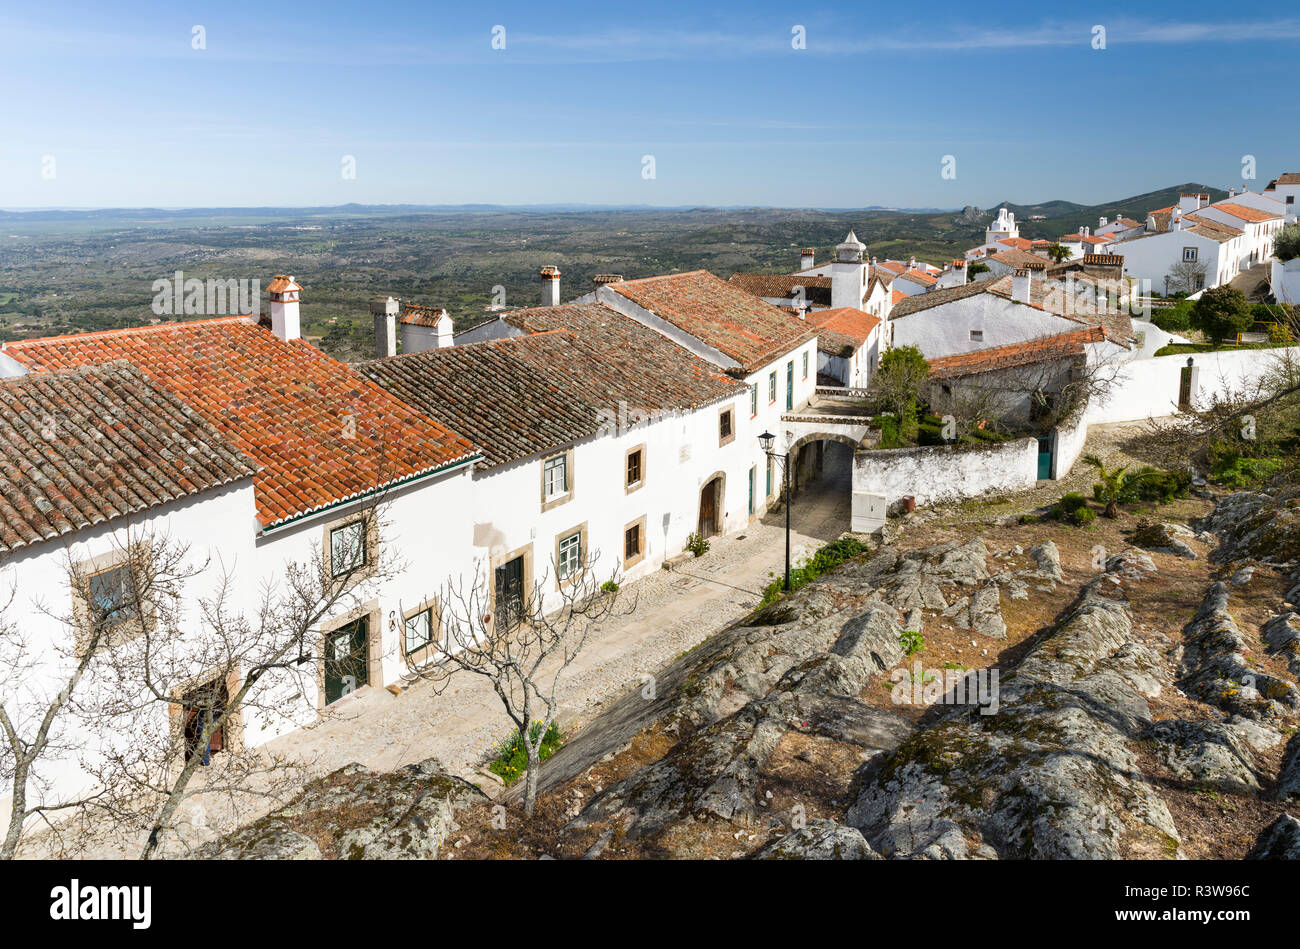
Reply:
x=765, y=442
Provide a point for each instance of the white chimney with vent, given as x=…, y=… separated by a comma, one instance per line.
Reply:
x=806, y=258
x=384, y=310
x=848, y=273
x=1102, y=222
x=1192, y=202
x=424, y=328
x=1177, y=220
x=1021, y=284
x=284, y=295
x=550, y=285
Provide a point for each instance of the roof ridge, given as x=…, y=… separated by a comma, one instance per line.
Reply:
x=128, y=330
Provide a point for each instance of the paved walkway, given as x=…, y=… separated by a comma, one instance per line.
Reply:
x=675, y=610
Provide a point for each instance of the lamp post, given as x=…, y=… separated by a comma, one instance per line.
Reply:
x=765, y=441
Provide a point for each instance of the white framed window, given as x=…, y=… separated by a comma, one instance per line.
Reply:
x=1189, y=254
x=771, y=387
x=347, y=548
x=977, y=336
x=805, y=364
x=753, y=400
x=556, y=477
x=111, y=599
x=569, y=558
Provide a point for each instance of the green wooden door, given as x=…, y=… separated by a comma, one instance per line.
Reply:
x=346, y=660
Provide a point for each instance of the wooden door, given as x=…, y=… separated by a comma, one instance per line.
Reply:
x=1185, y=388
x=510, y=590
x=709, y=509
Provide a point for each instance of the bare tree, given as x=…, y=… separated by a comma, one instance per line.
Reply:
x=179, y=690
x=511, y=640
x=37, y=682
x=1186, y=276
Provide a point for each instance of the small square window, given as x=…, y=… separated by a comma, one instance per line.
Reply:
x=556, y=477
x=632, y=542
x=1189, y=254
x=347, y=548
x=570, y=556
x=111, y=597
x=633, y=467
x=726, y=430
x=977, y=336
x=419, y=631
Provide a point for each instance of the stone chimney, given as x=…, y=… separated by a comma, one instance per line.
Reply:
x=806, y=258
x=550, y=286
x=284, y=295
x=384, y=310
x=1021, y=282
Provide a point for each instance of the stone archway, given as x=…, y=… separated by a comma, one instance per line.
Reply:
x=807, y=457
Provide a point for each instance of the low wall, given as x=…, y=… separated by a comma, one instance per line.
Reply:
x=947, y=472
x=1070, y=437
x=1148, y=388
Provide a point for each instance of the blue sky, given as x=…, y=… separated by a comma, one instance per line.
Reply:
x=133, y=115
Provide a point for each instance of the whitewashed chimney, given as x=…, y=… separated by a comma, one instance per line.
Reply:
x=424, y=327
x=806, y=258
x=550, y=285
x=1021, y=283
x=1177, y=219
x=848, y=273
x=1102, y=222
x=284, y=295
x=384, y=310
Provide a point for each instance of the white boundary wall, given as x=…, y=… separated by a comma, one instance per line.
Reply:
x=1148, y=388
x=946, y=472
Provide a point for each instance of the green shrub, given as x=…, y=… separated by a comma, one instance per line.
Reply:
x=888, y=425
x=609, y=586
x=1173, y=319
x=911, y=641
x=1083, y=516
x=826, y=557
x=1232, y=469
x=1149, y=484
x=511, y=761
x=697, y=544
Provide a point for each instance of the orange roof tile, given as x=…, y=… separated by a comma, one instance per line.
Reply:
x=1253, y=215
x=842, y=326
x=738, y=324
x=1015, y=354
x=320, y=432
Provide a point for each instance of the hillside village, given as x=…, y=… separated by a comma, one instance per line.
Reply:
x=229, y=541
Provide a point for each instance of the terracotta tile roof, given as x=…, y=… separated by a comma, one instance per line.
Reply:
x=1208, y=227
x=1015, y=354
x=895, y=267
x=525, y=395
x=416, y=315
x=84, y=446
x=1012, y=257
x=320, y=432
x=896, y=295
x=1253, y=215
x=842, y=327
x=1019, y=243
x=1082, y=239
x=817, y=290
x=1289, y=178
x=738, y=324
x=281, y=283
x=919, y=276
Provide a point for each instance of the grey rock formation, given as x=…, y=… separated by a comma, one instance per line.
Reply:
x=402, y=815
x=1052, y=775
x=1214, y=668
x=1205, y=754
x=821, y=839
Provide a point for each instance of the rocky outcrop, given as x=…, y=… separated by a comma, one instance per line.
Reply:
x=1052, y=775
x=1164, y=539
x=356, y=814
x=1257, y=526
x=1282, y=634
x=1279, y=841
x=1215, y=670
x=1205, y=754
x=821, y=839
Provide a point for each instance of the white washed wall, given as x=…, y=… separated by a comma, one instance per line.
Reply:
x=946, y=473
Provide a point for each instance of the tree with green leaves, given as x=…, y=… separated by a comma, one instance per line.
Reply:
x=898, y=383
x=1059, y=252
x=1286, y=246
x=1221, y=312
x=1116, y=483
x=974, y=270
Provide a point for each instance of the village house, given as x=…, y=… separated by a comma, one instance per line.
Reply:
x=346, y=472
x=1013, y=309
x=1285, y=189
x=849, y=346
x=587, y=457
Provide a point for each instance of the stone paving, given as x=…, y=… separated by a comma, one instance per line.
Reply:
x=675, y=610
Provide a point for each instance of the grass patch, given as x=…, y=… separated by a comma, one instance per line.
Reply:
x=831, y=555
x=511, y=761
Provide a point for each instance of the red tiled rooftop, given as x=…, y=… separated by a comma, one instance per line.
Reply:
x=736, y=323
x=321, y=433
x=1015, y=354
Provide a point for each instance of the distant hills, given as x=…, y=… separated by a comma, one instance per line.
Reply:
x=1055, y=212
